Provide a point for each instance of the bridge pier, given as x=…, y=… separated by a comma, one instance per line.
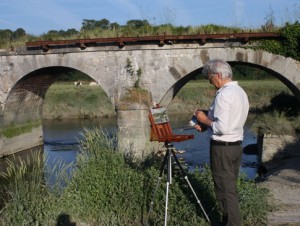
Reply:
x=134, y=131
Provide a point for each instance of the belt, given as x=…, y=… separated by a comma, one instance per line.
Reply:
x=225, y=143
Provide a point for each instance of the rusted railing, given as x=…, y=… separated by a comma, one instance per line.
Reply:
x=160, y=40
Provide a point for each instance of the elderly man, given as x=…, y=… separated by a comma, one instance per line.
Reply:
x=225, y=120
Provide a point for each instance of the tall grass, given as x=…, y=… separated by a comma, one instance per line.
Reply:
x=106, y=189
x=25, y=194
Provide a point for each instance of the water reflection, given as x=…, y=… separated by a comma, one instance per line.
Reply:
x=62, y=141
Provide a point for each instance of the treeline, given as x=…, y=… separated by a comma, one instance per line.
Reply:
x=288, y=46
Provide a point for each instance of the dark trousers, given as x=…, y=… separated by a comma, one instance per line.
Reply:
x=225, y=163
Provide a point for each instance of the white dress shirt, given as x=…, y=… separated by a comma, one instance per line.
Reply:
x=228, y=113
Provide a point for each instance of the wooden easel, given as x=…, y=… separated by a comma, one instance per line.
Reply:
x=161, y=131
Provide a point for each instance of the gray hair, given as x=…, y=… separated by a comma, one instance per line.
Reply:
x=217, y=66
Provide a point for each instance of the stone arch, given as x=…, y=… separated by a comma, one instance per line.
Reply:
x=25, y=99
x=282, y=68
x=290, y=85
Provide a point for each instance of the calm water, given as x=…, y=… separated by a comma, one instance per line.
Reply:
x=61, y=141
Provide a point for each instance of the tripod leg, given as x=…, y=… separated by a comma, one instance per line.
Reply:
x=157, y=185
x=167, y=203
x=188, y=182
x=169, y=181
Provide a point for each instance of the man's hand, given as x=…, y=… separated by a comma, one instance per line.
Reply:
x=202, y=118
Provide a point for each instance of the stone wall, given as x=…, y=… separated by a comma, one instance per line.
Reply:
x=271, y=147
x=134, y=131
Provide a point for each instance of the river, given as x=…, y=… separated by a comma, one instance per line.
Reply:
x=61, y=141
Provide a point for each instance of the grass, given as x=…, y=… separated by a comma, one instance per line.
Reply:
x=262, y=92
x=106, y=189
x=64, y=100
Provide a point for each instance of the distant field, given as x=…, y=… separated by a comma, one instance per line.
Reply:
x=64, y=100
x=200, y=94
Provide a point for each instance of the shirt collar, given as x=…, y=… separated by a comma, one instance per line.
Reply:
x=231, y=83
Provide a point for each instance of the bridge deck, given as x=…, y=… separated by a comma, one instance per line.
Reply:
x=160, y=40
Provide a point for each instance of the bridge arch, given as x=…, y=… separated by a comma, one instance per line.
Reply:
x=287, y=72
x=25, y=100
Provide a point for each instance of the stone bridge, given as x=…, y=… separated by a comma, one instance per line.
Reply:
x=25, y=76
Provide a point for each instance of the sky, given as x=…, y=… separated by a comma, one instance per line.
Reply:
x=37, y=17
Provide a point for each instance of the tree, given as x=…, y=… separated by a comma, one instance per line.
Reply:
x=6, y=35
x=88, y=24
x=137, y=23
x=92, y=24
x=19, y=33
x=104, y=24
x=71, y=32
x=291, y=43
x=114, y=26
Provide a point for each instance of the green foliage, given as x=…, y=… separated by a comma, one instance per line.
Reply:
x=254, y=202
x=106, y=189
x=94, y=24
x=5, y=36
x=26, y=195
x=136, y=24
x=289, y=46
x=247, y=72
x=291, y=43
x=132, y=72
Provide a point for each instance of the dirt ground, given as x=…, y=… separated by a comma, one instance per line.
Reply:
x=283, y=180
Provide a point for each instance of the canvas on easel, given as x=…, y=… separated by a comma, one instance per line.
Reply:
x=161, y=128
